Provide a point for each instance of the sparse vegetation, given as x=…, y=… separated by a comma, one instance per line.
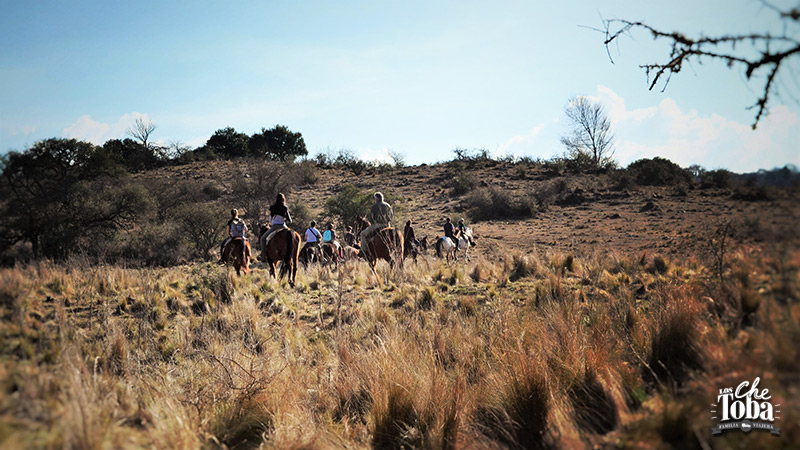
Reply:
x=525, y=355
x=554, y=338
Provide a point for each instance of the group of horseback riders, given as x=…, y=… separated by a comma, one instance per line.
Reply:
x=379, y=217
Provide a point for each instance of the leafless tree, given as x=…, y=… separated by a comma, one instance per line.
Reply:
x=756, y=53
x=590, y=136
x=141, y=131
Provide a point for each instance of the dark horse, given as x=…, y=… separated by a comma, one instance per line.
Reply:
x=309, y=254
x=413, y=247
x=235, y=254
x=283, y=246
x=329, y=254
x=386, y=243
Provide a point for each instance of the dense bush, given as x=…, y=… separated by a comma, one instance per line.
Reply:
x=463, y=183
x=753, y=191
x=202, y=227
x=156, y=244
x=719, y=179
x=658, y=172
x=495, y=203
x=61, y=190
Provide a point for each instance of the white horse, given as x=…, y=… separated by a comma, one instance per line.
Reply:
x=446, y=248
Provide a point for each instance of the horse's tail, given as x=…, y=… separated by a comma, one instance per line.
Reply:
x=439, y=243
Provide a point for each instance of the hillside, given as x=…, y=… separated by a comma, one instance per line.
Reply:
x=587, y=212
x=607, y=315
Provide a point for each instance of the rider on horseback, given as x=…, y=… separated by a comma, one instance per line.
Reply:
x=236, y=229
x=279, y=219
x=380, y=216
x=329, y=238
x=462, y=231
x=350, y=237
x=312, y=235
x=450, y=231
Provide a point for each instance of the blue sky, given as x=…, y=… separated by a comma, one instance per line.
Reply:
x=417, y=78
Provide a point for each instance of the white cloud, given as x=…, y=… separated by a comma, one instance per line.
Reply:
x=87, y=129
x=713, y=141
x=375, y=155
x=520, y=144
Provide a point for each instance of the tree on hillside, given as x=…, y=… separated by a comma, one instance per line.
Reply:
x=202, y=225
x=228, y=143
x=590, y=138
x=256, y=185
x=59, y=190
x=141, y=131
x=131, y=154
x=756, y=53
x=277, y=144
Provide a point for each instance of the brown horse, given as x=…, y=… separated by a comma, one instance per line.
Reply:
x=386, y=244
x=283, y=246
x=233, y=253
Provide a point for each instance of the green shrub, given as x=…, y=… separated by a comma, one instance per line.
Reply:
x=720, y=179
x=658, y=172
x=496, y=203
x=202, y=227
x=463, y=183
x=753, y=191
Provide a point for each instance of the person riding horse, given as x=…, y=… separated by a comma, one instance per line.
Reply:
x=329, y=238
x=450, y=231
x=462, y=231
x=236, y=229
x=380, y=216
x=312, y=235
x=411, y=243
x=350, y=237
x=279, y=219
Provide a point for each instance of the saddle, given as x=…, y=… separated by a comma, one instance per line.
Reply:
x=272, y=231
x=229, y=247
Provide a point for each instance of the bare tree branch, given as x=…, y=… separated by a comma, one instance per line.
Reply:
x=685, y=49
x=141, y=130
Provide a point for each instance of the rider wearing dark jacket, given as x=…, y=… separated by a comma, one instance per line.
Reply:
x=282, y=210
x=449, y=230
x=279, y=218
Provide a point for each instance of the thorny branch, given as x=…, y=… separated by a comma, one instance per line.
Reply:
x=765, y=59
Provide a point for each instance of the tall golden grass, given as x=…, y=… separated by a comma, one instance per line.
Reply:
x=539, y=351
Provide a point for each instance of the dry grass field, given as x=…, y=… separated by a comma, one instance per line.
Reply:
x=609, y=319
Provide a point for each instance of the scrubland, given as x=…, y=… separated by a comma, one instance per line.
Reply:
x=546, y=349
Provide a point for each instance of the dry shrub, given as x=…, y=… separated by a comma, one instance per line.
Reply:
x=396, y=421
x=660, y=266
x=242, y=420
x=519, y=419
x=675, y=351
x=595, y=410
x=522, y=267
x=492, y=203
x=427, y=298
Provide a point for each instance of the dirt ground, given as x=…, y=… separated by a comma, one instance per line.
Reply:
x=661, y=220
x=656, y=220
